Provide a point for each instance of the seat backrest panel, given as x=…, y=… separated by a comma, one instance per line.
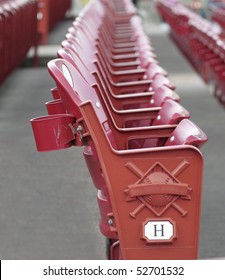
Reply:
x=162, y=94
x=187, y=133
x=171, y=113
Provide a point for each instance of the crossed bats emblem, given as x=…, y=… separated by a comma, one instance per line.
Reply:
x=158, y=189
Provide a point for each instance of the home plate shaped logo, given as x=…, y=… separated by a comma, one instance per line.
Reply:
x=157, y=189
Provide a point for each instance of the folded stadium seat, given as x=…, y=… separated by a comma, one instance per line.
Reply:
x=187, y=133
x=171, y=113
x=119, y=220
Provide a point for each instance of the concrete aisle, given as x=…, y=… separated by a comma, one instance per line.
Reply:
x=47, y=202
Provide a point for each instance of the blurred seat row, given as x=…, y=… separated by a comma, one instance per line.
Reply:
x=113, y=98
x=218, y=14
x=201, y=41
x=25, y=24
x=50, y=12
x=16, y=35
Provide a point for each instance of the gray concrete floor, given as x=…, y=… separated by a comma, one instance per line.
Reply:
x=48, y=208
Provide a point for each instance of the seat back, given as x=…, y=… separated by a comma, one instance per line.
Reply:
x=73, y=90
x=73, y=57
x=160, y=80
x=162, y=94
x=171, y=113
x=187, y=133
